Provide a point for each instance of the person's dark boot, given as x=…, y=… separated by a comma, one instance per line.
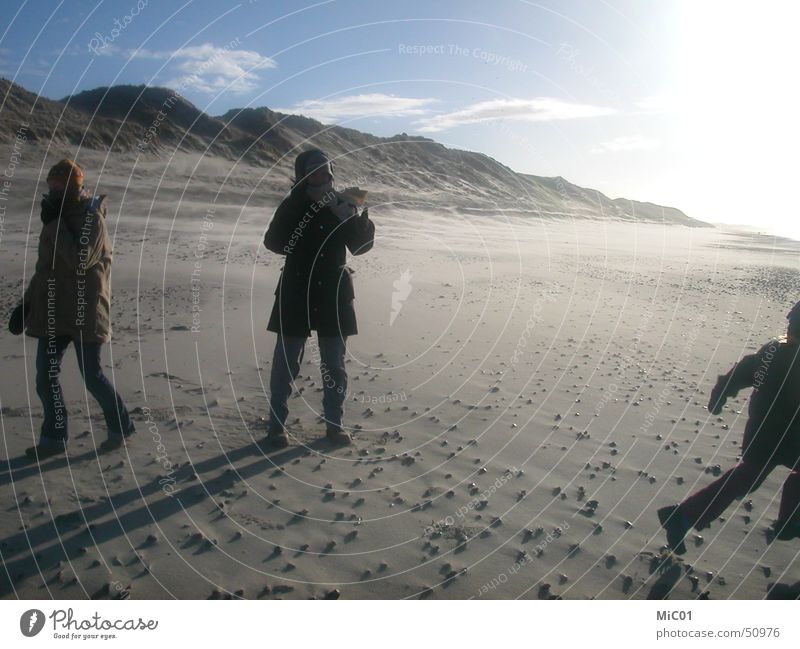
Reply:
x=276, y=438
x=42, y=452
x=785, y=531
x=677, y=526
x=335, y=435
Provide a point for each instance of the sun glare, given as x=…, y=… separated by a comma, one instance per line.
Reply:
x=735, y=87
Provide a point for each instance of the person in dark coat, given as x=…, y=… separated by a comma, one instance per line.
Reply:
x=313, y=227
x=68, y=300
x=771, y=438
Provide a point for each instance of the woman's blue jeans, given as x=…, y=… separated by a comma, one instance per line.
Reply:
x=49, y=354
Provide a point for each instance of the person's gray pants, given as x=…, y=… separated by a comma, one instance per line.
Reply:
x=286, y=366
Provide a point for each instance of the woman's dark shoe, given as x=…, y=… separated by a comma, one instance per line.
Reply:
x=677, y=526
x=40, y=452
x=113, y=443
x=338, y=437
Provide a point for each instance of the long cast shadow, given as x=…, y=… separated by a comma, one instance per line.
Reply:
x=78, y=521
x=22, y=467
x=665, y=583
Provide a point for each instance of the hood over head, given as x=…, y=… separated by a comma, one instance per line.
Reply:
x=308, y=162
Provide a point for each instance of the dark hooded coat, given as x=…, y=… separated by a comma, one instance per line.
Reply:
x=315, y=289
x=772, y=432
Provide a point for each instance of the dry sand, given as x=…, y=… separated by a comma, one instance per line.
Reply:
x=539, y=394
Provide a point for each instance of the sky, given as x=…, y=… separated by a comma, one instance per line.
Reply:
x=691, y=104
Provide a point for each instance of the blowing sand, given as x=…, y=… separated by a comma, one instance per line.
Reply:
x=525, y=393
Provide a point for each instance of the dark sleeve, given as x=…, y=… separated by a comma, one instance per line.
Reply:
x=360, y=234
x=741, y=375
x=279, y=231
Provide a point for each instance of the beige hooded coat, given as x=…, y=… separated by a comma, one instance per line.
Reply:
x=70, y=291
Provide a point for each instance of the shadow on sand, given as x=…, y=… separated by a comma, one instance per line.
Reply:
x=27, y=553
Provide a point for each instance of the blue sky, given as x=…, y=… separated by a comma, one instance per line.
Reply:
x=690, y=104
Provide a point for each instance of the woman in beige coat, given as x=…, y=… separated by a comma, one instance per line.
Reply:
x=68, y=301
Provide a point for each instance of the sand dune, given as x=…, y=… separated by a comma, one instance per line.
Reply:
x=255, y=147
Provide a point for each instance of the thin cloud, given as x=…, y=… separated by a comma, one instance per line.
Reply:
x=540, y=109
x=210, y=68
x=627, y=143
x=364, y=105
